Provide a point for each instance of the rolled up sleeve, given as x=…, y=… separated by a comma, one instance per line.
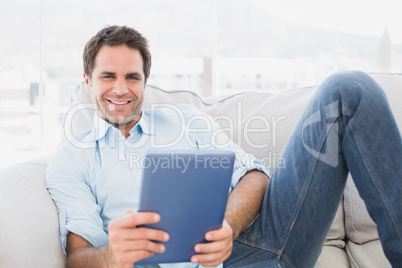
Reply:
x=77, y=208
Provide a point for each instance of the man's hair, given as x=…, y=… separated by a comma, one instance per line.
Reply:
x=116, y=36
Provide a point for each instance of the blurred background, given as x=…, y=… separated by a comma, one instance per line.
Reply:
x=211, y=47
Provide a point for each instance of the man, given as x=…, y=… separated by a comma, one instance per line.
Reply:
x=298, y=204
x=94, y=188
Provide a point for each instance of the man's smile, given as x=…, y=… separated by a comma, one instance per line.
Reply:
x=114, y=104
x=119, y=102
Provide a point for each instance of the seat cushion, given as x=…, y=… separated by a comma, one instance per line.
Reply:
x=332, y=257
x=369, y=254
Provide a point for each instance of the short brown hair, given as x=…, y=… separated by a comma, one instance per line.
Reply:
x=116, y=36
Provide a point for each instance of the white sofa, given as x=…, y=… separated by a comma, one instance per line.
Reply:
x=262, y=124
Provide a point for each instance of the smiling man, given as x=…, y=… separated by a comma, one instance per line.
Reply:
x=116, y=83
x=96, y=190
x=347, y=127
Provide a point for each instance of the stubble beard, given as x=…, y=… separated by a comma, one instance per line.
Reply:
x=118, y=121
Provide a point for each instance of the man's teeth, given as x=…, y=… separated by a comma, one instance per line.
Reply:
x=118, y=102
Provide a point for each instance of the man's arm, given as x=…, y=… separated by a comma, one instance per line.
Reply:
x=243, y=206
x=245, y=201
x=80, y=253
x=127, y=244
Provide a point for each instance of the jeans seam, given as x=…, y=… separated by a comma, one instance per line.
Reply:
x=288, y=260
x=246, y=242
x=252, y=242
x=373, y=178
x=301, y=201
x=279, y=253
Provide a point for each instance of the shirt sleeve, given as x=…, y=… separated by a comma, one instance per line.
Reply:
x=66, y=181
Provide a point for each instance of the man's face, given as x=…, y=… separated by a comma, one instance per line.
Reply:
x=117, y=85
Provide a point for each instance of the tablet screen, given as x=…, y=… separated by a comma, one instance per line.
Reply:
x=189, y=189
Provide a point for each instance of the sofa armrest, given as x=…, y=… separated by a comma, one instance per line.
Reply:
x=29, y=225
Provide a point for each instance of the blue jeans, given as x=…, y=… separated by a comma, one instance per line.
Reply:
x=347, y=127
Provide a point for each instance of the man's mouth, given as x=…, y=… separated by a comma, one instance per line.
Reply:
x=118, y=105
x=118, y=102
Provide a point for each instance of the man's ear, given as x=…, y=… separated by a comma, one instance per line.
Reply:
x=87, y=82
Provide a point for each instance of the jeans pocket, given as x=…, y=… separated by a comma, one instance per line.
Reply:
x=249, y=235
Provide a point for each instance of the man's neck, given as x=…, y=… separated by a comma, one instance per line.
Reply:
x=125, y=128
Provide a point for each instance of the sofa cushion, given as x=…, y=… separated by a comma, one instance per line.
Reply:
x=366, y=255
x=333, y=257
x=360, y=228
x=29, y=225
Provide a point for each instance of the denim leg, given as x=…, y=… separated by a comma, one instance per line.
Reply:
x=347, y=127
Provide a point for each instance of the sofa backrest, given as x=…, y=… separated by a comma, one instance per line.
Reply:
x=259, y=122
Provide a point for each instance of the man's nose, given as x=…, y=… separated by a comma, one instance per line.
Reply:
x=120, y=87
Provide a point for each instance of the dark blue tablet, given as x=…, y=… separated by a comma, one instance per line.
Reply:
x=189, y=189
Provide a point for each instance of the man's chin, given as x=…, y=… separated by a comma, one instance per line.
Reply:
x=119, y=121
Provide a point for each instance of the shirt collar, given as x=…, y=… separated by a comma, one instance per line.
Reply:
x=101, y=127
x=143, y=124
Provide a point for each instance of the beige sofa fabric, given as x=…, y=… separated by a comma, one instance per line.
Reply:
x=333, y=257
x=366, y=255
x=358, y=224
x=363, y=239
x=29, y=233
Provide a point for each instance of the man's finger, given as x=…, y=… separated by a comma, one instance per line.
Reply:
x=140, y=233
x=137, y=245
x=213, y=259
x=129, y=258
x=130, y=220
x=212, y=247
x=222, y=233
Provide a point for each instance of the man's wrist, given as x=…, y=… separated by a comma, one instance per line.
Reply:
x=230, y=221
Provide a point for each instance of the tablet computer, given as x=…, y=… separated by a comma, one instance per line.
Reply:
x=189, y=189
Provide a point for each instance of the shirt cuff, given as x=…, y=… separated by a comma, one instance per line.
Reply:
x=241, y=168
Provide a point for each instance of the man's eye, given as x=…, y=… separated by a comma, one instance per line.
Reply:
x=107, y=77
x=133, y=78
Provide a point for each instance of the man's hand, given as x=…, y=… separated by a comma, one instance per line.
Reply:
x=128, y=244
x=218, y=250
x=243, y=206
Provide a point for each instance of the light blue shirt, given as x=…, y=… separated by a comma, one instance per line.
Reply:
x=96, y=176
